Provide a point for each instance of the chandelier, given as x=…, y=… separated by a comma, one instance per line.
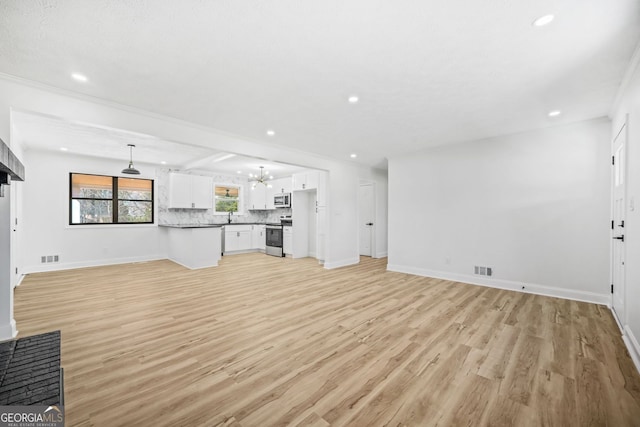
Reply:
x=260, y=179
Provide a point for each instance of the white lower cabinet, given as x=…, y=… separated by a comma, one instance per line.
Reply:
x=244, y=238
x=287, y=240
x=237, y=238
x=259, y=237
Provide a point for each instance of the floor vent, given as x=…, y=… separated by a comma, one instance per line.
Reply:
x=482, y=271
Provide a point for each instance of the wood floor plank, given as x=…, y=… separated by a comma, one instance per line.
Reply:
x=266, y=341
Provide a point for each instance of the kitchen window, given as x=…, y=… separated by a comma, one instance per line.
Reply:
x=227, y=198
x=102, y=199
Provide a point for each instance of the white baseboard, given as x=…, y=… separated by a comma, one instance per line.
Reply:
x=633, y=346
x=618, y=322
x=93, y=263
x=19, y=281
x=342, y=263
x=381, y=254
x=243, y=251
x=191, y=268
x=8, y=331
x=510, y=285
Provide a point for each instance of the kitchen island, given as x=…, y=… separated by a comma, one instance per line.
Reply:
x=194, y=245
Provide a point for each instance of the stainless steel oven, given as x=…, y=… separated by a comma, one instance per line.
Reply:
x=274, y=240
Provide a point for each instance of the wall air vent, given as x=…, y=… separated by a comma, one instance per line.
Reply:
x=482, y=271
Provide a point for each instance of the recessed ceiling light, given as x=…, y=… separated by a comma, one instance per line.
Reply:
x=250, y=175
x=353, y=156
x=64, y=149
x=163, y=162
x=239, y=171
x=79, y=77
x=271, y=132
x=543, y=20
x=353, y=99
x=555, y=113
x=271, y=177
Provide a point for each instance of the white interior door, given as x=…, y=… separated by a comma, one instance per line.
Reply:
x=617, y=232
x=366, y=216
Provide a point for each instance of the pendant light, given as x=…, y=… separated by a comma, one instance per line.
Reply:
x=262, y=179
x=131, y=170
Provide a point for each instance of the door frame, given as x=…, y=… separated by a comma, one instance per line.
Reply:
x=372, y=184
x=621, y=321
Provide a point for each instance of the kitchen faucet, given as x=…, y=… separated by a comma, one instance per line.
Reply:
x=230, y=212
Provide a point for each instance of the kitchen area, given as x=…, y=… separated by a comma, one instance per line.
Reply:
x=208, y=215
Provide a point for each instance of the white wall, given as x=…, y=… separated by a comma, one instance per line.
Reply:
x=629, y=105
x=533, y=206
x=46, y=229
x=342, y=220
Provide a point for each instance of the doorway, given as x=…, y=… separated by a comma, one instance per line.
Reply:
x=618, y=182
x=366, y=216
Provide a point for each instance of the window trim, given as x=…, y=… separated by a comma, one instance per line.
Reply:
x=114, y=201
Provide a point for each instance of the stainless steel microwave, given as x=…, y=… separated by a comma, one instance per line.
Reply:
x=282, y=200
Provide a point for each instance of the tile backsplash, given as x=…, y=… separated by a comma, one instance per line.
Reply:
x=206, y=216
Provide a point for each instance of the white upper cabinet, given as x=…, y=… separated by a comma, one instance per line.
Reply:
x=258, y=197
x=270, y=192
x=305, y=181
x=190, y=191
x=285, y=185
x=179, y=190
x=281, y=185
x=262, y=197
x=202, y=192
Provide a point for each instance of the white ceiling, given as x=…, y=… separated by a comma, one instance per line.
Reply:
x=426, y=72
x=38, y=131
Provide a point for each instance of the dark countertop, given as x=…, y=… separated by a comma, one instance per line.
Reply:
x=208, y=225
x=191, y=225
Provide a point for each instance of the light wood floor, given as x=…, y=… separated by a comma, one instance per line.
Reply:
x=262, y=341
